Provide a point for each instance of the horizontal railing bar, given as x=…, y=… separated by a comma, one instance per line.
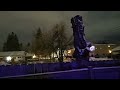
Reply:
x=59, y=72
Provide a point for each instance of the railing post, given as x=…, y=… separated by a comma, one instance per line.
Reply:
x=91, y=73
x=34, y=68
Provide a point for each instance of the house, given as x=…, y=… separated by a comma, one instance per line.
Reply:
x=15, y=55
x=116, y=50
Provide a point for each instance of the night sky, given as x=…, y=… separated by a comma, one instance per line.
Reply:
x=99, y=25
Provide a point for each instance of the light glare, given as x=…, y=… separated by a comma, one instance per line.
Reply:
x=92, y=48
x=34, y=56
x=110, y=51
x=69, y=51
x=8, y=58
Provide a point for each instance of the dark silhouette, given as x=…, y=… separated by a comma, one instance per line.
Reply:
x=37, y=45
x=60, y=39
x=12, y=43
x=80, y=43
x=97, y=56
x=21, y=46
x=82, y=47
x=28, y=47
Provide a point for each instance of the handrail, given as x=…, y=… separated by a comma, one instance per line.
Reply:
x=57, y=72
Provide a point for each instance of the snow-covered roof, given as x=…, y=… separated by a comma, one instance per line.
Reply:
x=116, y=49
x=12, y=53
x=29, y=54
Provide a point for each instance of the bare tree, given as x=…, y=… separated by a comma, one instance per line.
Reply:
x=37, y=43
x=60, y=39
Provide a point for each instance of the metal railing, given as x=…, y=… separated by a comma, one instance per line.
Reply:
x=50, y=70
x=85, y=73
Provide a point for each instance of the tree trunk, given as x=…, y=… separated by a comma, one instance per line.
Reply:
x=61, y=60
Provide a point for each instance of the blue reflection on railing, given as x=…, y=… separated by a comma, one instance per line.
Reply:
x=14, y=70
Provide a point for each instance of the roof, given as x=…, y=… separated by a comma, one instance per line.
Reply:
x=29, y=54
x=116, y=49
x=12, y=53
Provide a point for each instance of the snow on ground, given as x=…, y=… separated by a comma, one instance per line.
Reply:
x=99, y=59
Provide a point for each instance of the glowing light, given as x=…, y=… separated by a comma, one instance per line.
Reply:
x=108, y=45
x=8, y=58
x=92, y=48
x=110, y=51
x=69, y=51
x=34, y=56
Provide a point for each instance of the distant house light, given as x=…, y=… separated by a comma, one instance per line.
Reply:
x=108, y=45
x=8, y=58
x=110, y=51
x=69, y=51
x=34, y=56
